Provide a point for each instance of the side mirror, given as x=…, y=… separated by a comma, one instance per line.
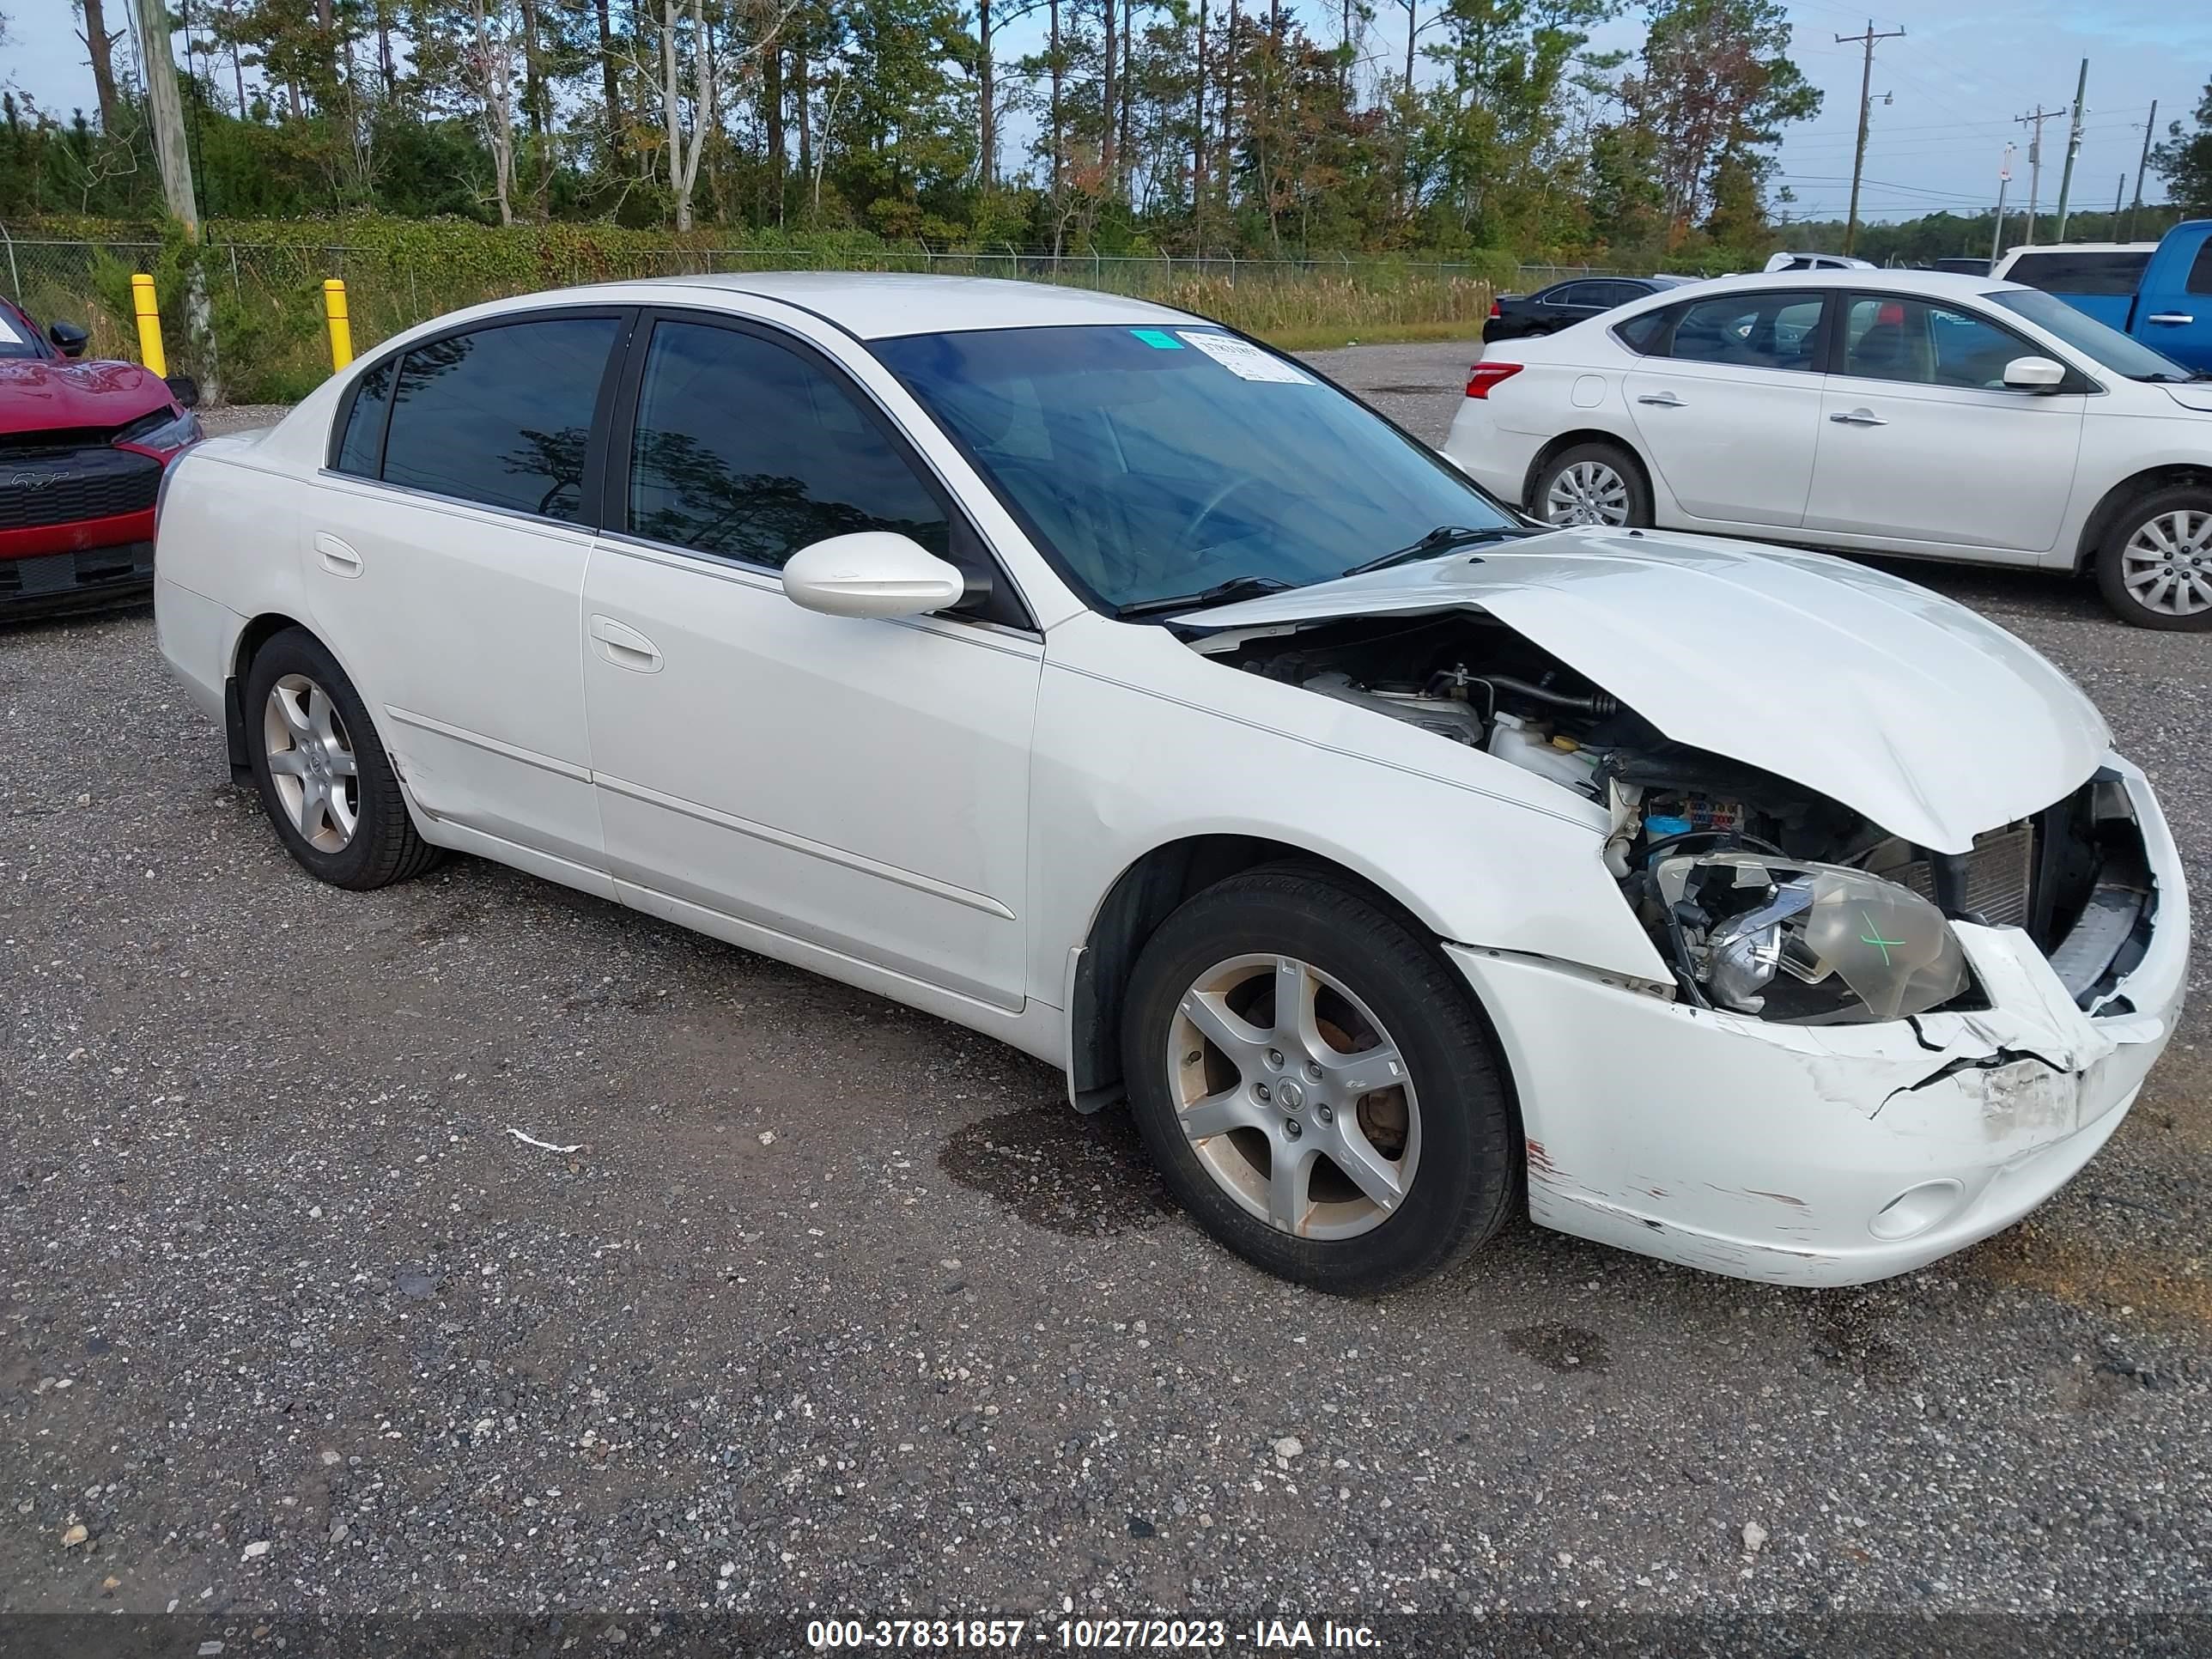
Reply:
x=185, y=390
x=2034, y=374
x=69, y=339
x=872, y=573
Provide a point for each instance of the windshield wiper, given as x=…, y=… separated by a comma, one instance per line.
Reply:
x=1236, y=588
x=1444, y=539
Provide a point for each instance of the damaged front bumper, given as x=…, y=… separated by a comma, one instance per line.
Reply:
x=1832, y=1154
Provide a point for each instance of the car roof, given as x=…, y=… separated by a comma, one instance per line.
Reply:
x=882, y=305
x=2082, y=247
x=1873, y=279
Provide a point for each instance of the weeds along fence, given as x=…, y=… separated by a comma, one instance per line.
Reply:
x=265, y=298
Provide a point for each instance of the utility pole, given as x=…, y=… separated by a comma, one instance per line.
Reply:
x=1866, y=97
x=2119, y=195
x=158, y=59
x=2072, y=146
x=2004, y=178
x=2035, y=161
x=2141, y=167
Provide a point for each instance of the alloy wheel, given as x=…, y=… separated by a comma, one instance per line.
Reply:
x=1588, y=492
x=1297, y=1102
x=312, y=763
x=2166, y=565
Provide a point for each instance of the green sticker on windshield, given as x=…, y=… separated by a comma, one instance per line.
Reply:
x=1159, y=339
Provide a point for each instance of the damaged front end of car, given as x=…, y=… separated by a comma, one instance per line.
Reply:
x=1763, y=896
x=1875, y=1042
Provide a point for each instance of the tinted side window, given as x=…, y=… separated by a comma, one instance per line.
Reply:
x=747, y=450
x=1891, y=339
x=1751, y=330
x=501, y=415
x=1574, y=294
x=360, y=445
x=2200, y=272
x=2111, y=273
x=1641, y=334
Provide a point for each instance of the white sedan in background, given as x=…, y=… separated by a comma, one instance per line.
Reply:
x=1087, y=675
x=1907, y=412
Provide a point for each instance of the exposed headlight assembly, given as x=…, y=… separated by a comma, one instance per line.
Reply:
x=164, y=431
x=1865, y=949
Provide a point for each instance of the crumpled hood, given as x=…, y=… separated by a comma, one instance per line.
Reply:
x=1896, y=702
x=37, y=394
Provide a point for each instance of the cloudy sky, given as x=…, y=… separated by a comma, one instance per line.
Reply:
x=1963, y=70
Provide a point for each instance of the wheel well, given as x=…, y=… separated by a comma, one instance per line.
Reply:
x=2099, y=524
x=1567, y=440
x=257, y=633
x=1141, y=898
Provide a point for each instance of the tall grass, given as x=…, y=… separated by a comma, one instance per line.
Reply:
x=265, y=298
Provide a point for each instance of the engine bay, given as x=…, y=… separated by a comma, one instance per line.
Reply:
x=1764, y=897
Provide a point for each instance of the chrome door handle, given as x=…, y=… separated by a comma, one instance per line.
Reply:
x=2172, y=319
x=624, y=646
x=1859, y=417
x=336, y=557
x=1663, y=400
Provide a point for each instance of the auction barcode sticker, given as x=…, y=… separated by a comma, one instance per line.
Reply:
x=1243, y=359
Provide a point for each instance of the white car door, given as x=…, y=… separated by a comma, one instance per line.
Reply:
x=444, y=560
x=1727, y=404
x=861, y=786
x=1920, y=442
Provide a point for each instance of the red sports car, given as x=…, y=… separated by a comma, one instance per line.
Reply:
x=82, y=450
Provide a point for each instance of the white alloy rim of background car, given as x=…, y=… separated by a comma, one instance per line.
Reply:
x=1588, y=492
x=1310, y=1122
x=2167, y=563
x=311, y=761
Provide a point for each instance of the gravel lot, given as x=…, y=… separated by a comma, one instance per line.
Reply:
x=835, y=1307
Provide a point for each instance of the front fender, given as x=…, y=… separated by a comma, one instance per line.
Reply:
x=1141, y=742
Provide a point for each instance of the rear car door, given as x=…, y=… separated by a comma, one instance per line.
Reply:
x=445, y=560
x=2173, y=313
x=861, y=786
x=1921, y=442
x=1728, y=404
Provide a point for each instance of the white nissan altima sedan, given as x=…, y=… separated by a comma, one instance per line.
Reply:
x=1086, y=674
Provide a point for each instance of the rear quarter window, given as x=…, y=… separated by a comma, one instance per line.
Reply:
x=359, y=447
x=2115, y=273
x=1642, y=335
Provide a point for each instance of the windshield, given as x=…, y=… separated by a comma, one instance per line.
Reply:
x=2114, y=349
x=17, y=338
x=1156, y=462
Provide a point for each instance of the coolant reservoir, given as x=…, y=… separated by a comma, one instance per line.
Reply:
x=1511, y=740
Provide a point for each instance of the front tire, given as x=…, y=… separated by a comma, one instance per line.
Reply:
x=1592, y=483
x=322, y=773
x=2155, y=569
x=1316, y=1085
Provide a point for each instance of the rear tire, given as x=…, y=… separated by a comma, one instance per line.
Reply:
x=2155, y=569
x=1360, y=1141
x=322, y=775
x=1592, y=483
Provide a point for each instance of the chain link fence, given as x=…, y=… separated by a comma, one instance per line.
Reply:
x=267, y=305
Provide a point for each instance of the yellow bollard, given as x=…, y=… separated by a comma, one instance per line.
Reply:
x=334, y=312
x=150, y=325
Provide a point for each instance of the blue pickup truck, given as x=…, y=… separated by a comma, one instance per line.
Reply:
x=2159, y=292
